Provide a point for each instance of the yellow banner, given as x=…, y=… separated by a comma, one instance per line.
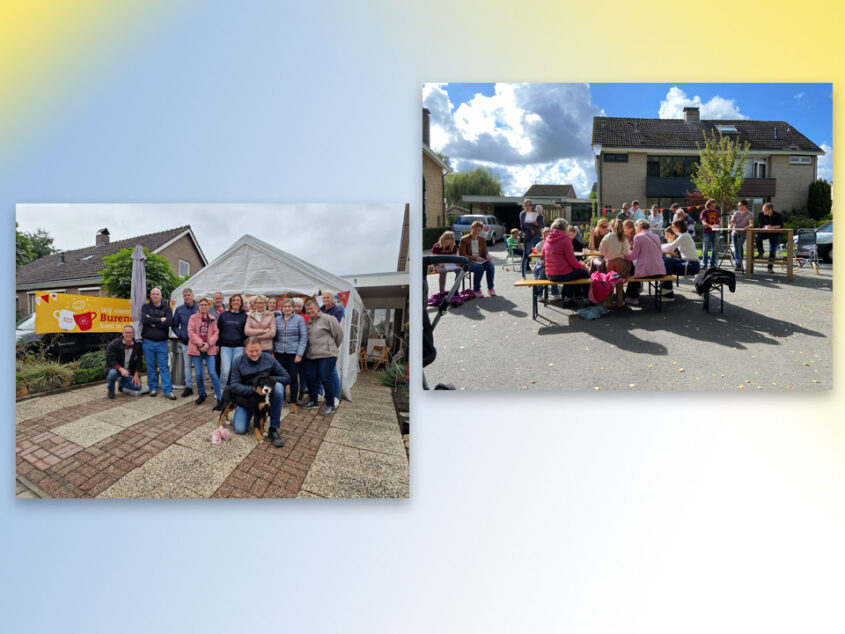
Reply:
x=61, y=312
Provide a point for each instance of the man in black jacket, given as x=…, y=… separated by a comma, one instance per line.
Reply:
x=156, y=318
x=123, y=362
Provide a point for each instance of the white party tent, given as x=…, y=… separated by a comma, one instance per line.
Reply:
x=250, y=267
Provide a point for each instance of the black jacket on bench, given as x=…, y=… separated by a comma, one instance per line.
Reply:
x=707, y=277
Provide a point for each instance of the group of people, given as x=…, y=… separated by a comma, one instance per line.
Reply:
x=269, y=335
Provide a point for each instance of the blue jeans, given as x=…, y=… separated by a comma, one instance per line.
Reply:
x=155, y=352
x=710, y=246
x=113, y=376
x=478, y=269
x=240, y=421
x=303, y=379
x=189, y=381
x=320, y=371
x=528, y=246
x=677, y=266
x=739, y=248
x=540, y=274
x=212, y=373
x=574, y=274
x=774, y=243
x=227, y=355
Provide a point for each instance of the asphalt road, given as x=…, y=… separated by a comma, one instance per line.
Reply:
x=772, y=336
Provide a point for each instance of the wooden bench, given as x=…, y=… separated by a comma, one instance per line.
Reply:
x=653, y=283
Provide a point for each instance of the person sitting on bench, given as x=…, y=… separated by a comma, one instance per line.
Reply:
x=688, y=262
x=649, y=260
x=769, y=219
x=560, y=261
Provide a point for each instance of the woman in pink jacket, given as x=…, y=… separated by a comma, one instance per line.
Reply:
x=202, y=346
x=649, y=260
x=261, y=323
x=560, y=261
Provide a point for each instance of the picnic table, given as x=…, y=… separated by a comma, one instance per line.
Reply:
x=749, y=250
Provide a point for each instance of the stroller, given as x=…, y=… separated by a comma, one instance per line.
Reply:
x=428, y=349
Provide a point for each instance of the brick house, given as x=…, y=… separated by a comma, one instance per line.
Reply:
x=434, y=171
x=78, y=271
x=651, y=160
x=557, y=200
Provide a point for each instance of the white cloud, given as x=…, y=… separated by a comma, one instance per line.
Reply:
x=672, y=107
x=524, y=133
x=825, y=168
x=798, y=96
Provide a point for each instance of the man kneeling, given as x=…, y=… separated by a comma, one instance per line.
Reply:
x=123, y=362
x=244, y=370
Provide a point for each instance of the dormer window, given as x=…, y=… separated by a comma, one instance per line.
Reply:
x=727, y=129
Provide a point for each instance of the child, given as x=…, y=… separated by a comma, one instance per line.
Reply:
x=577, y=245
x=513, y=243
x=445, y=246
x=614, y=248
x=540, y=266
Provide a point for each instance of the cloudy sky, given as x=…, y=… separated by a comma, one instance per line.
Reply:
x=541, y=133
x=339, y=238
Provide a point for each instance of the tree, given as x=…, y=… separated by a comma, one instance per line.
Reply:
x=479, y=182
x=117, y=274
x=718, y=174
x=819, y=201
x=31, y=246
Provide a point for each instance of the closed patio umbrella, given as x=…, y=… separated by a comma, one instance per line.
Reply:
x=138, y=292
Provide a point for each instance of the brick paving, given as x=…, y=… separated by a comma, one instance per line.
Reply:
x=82, y=445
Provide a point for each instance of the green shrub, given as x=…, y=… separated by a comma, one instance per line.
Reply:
x=393, y=374
x=42, y=376
x=87, y=375
x=432, y=235
x=92, y=359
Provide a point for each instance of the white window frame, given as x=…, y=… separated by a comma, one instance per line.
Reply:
x=180, y=262
x=800, y=160
x=30, y=297
x=91, y=288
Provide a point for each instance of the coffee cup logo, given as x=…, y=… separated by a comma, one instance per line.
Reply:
x=85, y=320
x=65, y=319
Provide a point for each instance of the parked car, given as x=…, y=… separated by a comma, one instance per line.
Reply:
x=824, y=241
x=494, y=229
x=61, y=346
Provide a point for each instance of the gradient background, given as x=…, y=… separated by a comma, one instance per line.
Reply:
x=635, y=513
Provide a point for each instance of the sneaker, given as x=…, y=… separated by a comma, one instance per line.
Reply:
x=200, y=399
x=770, y=268
x=478, y=294
x=328, y=411
x=170, y=396
x=111, y=393
x=668, y=297
x=120, y=388
x=153, y=393
x=311, y=404
x=738, y=267
x=633, y=301
x=187, y=392
x=491, y=292
x=275, y=439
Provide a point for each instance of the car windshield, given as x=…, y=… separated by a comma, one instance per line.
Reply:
x=468, y=220
x=27, y=323
x=826, y=227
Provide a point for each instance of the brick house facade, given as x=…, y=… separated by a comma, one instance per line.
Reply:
x=650, y=160
x=78, y=272
x=434, y=171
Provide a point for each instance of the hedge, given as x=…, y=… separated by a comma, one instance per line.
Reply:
x=432, y=235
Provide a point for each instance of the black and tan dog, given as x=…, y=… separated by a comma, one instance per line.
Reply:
x=258, y=405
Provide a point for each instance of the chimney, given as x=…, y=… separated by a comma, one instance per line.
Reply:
x=691, y=113
x=426, y=127
x=102, y=237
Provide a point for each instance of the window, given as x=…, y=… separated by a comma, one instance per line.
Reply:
x=581, y=212
x=727, y=129
x=615, y=158
x=671, y=166
x=184, y=268
x=800, y=160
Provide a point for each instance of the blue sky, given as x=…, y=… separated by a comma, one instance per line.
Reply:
x=529, y=133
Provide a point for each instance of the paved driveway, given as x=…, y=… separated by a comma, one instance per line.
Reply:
x=773, y=335
x=81, y=444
